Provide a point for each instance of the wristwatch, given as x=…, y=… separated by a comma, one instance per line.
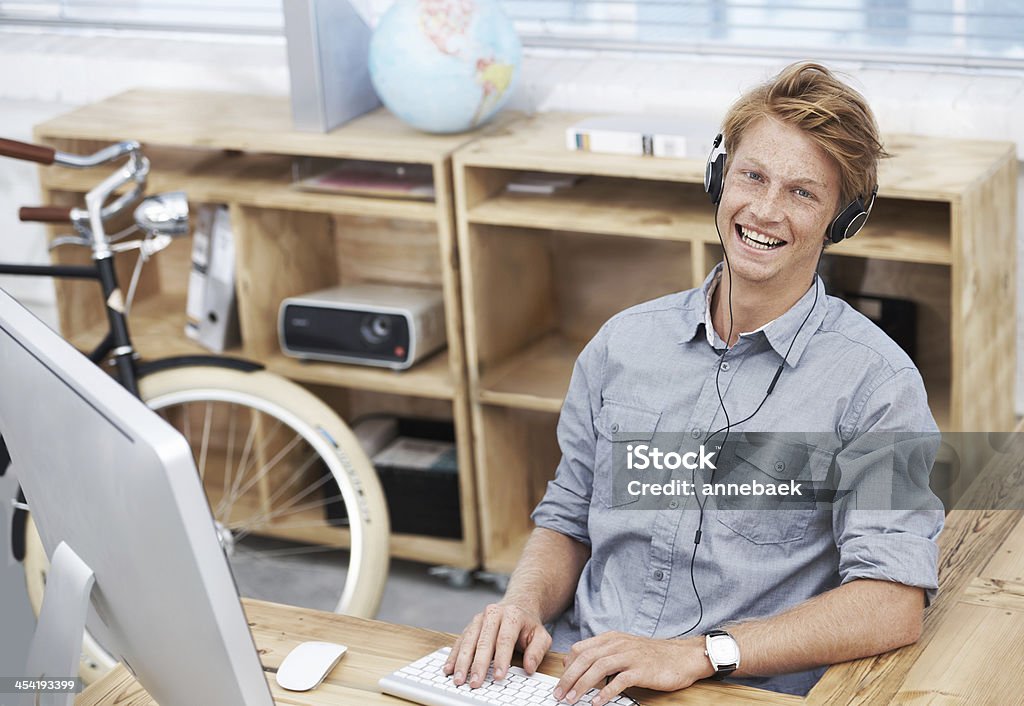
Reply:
x=724, y=653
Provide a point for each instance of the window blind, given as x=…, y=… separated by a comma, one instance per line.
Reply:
x=952, y=32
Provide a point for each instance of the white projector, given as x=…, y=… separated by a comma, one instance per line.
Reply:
x=368, y=324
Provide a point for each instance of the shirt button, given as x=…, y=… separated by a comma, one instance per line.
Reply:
x=615, y=427
x=695, y=433
x=780, y=466
x=673, y=504
x=725, y=366
x=659, y=575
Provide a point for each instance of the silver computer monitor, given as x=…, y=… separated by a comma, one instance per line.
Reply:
x=114, y=483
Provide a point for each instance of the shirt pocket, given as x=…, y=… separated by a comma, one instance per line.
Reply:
x=772, y=517
x=619, y=425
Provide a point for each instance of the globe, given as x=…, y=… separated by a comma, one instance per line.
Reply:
x=444, y=66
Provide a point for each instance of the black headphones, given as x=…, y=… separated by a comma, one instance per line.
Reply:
x=846, y=225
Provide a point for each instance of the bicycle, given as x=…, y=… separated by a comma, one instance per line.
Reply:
x=280, y=469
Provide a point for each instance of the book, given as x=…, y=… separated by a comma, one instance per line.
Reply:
x=381, y=179
x=643, y=135
x=211, y=308
x=541, y=182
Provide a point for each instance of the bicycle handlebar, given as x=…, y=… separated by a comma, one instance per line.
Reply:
x=27, y=151
x=45, y=214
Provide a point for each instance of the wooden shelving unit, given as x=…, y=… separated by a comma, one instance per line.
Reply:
x=239, y=150
x=536, y=275
x=541, y=273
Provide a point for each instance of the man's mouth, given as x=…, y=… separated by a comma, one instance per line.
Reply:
x=758, y=241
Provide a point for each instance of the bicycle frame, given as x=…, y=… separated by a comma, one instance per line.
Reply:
x=117, y=342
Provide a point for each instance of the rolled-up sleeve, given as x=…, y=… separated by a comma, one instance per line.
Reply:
x=566, y=502
x=886, y=519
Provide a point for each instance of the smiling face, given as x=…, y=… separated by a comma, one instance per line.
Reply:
x=781, y=193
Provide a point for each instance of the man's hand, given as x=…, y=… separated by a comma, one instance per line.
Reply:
x=494, y=634
x=665, y=665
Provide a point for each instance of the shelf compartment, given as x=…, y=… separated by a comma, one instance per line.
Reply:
x=243, y=178
x=428, y=378
x=903, y=231
x=304, y=527
x=521, y=450
x=537, y=378
x=157, y=328
x=650, y=209
x=567, y=284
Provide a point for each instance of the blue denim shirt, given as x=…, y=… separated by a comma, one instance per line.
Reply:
x=651, y=371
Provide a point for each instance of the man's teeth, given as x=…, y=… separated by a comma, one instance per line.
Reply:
x=759, y=240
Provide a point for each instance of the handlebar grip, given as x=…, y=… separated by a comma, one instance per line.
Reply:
x=24, y=150
x=45, y=214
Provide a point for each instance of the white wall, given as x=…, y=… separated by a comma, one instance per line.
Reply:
x=47, y=73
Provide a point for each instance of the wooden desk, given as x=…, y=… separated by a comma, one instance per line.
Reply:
x=980, y=607
x=375, y=649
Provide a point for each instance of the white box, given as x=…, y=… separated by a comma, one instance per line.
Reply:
x=211, y=308
x=328, y=49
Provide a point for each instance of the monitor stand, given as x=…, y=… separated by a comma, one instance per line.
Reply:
x=57, y=644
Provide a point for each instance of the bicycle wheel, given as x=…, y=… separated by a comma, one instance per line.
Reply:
x=295, y=501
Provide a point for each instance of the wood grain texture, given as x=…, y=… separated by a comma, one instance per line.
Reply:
x=995, y=593
x=375, y=649
x=520, y=450
x=239, y=150
x=249, y=123
x=279, y=254
x=585, y=266
x=1007, y=564
x=512, y=283
x=970, y=538
x=249, y=179
x=984, y=303
x=974, y=659
x=922, y=168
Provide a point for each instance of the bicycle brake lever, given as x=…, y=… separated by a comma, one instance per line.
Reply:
x=68, y=240
x=149, y=246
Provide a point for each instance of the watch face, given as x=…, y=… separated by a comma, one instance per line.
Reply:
x=723, y=650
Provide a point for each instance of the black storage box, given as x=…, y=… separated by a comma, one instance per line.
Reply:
x=421, y=500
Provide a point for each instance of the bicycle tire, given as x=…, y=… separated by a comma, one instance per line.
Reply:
x=321, y=449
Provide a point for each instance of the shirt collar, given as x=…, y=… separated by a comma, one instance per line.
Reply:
x=779, y=332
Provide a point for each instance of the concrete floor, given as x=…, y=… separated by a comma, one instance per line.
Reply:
x=412, y=595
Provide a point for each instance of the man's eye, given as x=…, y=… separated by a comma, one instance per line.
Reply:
x=753, y=175
x=804, y=194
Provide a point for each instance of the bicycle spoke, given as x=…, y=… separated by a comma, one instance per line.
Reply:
x=231, y=449
x=228, y=502
x=205, y=447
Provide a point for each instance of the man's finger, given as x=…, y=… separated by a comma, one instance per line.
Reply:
x=594, y=676
x=505, y=643
x=485, y=645
x=621, y=682
x=467, y=649
x=538, y=646
x=449, y=664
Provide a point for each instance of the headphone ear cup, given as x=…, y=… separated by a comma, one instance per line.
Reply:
x=714, y=172
x=849, y=221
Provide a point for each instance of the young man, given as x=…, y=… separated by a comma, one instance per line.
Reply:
x=633, y=592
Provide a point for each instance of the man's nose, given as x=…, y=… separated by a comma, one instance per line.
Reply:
x=767, y=205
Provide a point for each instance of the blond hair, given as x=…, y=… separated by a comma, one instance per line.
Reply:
x=838, y=119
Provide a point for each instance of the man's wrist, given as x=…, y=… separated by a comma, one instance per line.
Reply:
x=695, y=655
x=530, y=607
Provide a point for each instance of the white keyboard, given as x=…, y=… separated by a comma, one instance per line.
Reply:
x=424, y=682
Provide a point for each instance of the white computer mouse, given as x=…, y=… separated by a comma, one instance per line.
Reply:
x=307, y=665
